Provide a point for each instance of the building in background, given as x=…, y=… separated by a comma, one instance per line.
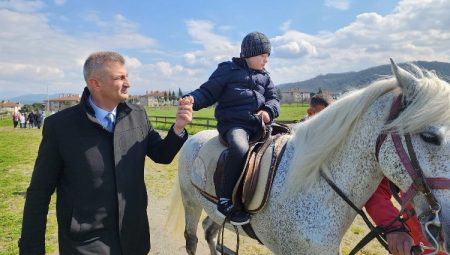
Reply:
x=152, y=99
x=62, y=102
x=9, y=107
x=295, y=95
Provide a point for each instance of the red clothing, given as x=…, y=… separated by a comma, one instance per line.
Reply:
x=383, y=212
x=380, y=207
x=416, y=232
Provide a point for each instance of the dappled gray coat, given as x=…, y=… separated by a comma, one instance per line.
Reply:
x=99, y=178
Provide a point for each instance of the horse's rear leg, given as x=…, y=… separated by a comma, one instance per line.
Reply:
x=211, y=229
x=192, y=212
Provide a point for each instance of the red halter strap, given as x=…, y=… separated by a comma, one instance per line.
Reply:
x=396, y=108
x=411, y=164
x=420, y=183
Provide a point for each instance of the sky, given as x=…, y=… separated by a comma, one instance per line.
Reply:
x=178, y=44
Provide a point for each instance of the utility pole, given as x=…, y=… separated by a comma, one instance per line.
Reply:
x=48, y=103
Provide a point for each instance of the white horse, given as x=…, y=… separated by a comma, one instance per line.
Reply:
x=304, y=215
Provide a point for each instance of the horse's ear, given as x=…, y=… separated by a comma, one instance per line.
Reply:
x=407, y=82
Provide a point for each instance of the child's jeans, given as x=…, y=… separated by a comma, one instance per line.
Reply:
x=237, y=139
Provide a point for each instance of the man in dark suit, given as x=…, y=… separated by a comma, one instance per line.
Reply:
x=93, y=154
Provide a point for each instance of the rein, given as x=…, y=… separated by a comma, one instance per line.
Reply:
x=422, y=184
x=375, y=232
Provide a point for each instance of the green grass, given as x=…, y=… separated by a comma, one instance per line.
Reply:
x=288, y=112
x=18, y=150
x=6, y=122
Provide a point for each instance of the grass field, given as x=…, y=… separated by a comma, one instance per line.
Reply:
x=18, y=150
x=289, y=112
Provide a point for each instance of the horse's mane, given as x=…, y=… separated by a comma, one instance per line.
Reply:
x=318, y=138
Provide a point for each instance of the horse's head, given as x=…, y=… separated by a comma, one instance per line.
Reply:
x=414, y=152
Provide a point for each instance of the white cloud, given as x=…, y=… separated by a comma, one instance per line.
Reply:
x=294, y=44
x=132, y=63
x=415, y=30
x=215, y=48
x=60, y=2
x=286, y=25
x=164, y=76
x=119, y=23
x=338, y=4
x=44, y=55
x=190, y=58
x=13, y=70
x=22, y=6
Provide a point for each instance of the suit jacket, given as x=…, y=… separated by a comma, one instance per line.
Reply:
x=99, y=179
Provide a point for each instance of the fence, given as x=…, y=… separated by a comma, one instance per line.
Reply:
x=206, y=123
x=5, y=116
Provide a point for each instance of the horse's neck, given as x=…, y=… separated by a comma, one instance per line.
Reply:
x=353, y=167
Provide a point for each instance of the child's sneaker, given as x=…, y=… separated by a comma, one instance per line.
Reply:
x=237, y=218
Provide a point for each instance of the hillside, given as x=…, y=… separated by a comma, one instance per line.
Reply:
x=32, y=98
x=341, y=81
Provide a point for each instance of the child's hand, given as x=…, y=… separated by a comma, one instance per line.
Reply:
x=264, y=116
x=187, y=100
x=184, y=113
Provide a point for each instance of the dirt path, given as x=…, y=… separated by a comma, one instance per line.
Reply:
x=159, y=179
x=162, y=244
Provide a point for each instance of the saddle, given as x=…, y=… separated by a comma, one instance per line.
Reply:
x=253, y=188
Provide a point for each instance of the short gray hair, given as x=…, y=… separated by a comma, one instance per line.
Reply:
x=97, y=59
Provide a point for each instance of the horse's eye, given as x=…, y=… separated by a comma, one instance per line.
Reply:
x=429, y=137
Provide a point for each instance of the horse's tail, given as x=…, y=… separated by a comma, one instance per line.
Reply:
x=175, y=219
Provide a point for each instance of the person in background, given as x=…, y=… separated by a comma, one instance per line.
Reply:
x=16, y=119
x=31, y=119
x=22, y=120
x=37, y=119
x=42, y=117
x=317, y=103
x=93, y=154
x=245, y=96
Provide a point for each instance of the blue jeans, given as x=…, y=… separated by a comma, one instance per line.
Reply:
x=237, y=139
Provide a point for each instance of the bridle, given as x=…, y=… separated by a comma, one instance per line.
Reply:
x=424, y=185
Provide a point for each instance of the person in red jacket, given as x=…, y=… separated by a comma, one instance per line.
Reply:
x=383, y=212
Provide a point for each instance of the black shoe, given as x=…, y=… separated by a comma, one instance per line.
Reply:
x=235, y=216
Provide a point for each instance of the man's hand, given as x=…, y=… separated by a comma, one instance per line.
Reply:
x=184, y=113
x=264, y=116
x=400, y=243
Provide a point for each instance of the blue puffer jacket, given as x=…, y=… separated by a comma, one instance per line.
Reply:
x=240, y=93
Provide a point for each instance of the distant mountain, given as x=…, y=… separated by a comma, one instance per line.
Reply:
x=32, y=98
x=336, y=82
